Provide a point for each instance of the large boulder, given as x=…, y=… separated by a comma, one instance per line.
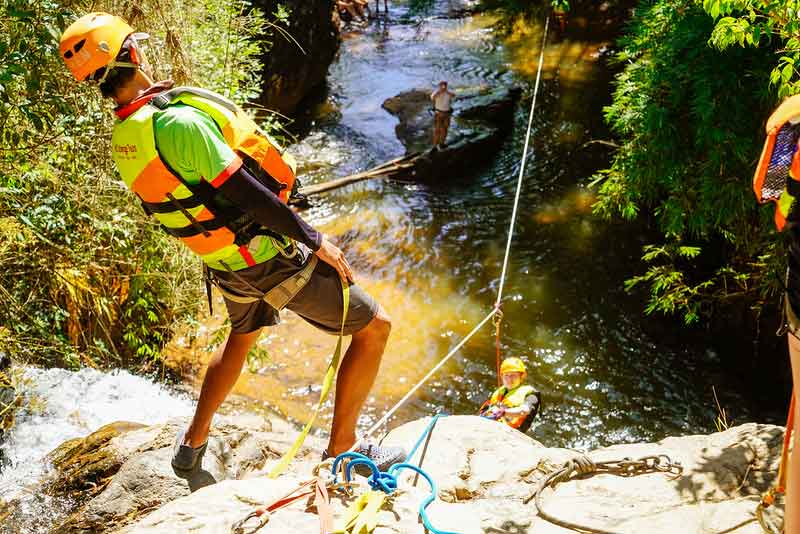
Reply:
x=123, y=470
x=289, y=73
x=486, y=473
x=482, y=116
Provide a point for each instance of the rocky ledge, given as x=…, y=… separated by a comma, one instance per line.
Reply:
x=486, y=473
x=481, y=118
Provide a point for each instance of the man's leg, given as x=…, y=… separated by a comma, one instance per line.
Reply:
x=445, y=127
x=792, y=518
x=437, y=126
x=223, y=371
x=356, y=375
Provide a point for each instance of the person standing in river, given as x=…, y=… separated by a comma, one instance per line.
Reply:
x=442, y=109
x=777, y=179
x=209, y=175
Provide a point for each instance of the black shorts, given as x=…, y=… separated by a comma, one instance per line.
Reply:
x=319, y=302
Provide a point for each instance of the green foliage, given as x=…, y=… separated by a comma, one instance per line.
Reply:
x=760, y=23
x=86, y=277
x=690, y=119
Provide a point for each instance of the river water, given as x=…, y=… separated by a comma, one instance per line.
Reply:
x=433, y=255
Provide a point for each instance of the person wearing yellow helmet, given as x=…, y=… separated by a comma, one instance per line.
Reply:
x=514, y=403
x=214, y=180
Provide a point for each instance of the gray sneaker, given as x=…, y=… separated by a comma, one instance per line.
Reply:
x=185, y=458
x=382, y=457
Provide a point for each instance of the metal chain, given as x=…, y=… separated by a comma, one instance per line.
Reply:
x=582, y=466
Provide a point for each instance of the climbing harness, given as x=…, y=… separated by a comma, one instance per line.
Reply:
x=277, y=297
x=386, y=481
x=512, y=399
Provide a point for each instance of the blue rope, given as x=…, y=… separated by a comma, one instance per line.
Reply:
x=428, y=500
x=387, y=481
x=424, y=435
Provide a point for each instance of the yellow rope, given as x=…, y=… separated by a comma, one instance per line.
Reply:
x=362, y=516
x=326, y=386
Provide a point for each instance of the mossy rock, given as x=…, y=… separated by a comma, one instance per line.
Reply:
x=85, y=463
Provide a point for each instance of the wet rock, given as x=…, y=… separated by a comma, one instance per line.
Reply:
x=289, y=73
x=123, y=470
x=10, y=402
x=486, y=472
x=482, y=116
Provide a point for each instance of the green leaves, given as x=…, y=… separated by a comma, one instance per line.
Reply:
x=688, y=117
x=89, y=278
x=753, y=19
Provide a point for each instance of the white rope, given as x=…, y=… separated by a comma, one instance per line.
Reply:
x=425, y=378
x=495, y=310
x=521, y=170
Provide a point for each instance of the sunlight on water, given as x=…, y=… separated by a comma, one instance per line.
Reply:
x=563, y=210
x=432, y=254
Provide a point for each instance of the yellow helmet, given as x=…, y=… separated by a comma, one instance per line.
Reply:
x=93, y=42
x=513, y=365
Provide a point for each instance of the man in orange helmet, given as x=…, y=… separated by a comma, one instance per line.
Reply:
x=215, y=181
x=514, y=403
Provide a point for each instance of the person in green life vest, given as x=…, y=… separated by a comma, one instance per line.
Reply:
x=209, y=175
x=514, y=403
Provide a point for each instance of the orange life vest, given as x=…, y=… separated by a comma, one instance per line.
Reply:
x=777, y=177
x=512, y=399
x=225, y=238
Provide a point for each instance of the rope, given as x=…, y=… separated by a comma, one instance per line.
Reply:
x=424, y=379
x=386, y=481
x=522, y=168
x=429, y=433
x=496, y=310
x=426, y=434
x=582, y=466
x=498, y=321
x=326, y=386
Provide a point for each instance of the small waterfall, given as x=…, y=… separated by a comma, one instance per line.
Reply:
x=75, y=403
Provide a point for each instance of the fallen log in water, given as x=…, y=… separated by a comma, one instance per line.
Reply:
x=390, y=169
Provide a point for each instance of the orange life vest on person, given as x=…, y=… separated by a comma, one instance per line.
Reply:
x=777, y=177
x=512, y=399
x=224, y=237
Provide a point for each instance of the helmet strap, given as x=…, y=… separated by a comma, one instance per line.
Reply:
x=132, y=42
x=113, y=64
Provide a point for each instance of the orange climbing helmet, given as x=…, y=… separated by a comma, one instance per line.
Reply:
x=93, y=42
x=513, y=365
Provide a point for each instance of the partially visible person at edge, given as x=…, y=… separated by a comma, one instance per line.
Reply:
x=442, y=109
x=378, y=6
x=776, y=179
x=171, y=147
x=355, y=10
x=514, y=403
